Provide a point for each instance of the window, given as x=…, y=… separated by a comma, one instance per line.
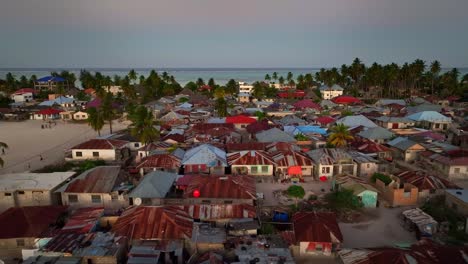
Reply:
x=20, y=242
x=96, y=198
x=437, y=125
x=265, y=169
x=83, y=116
x=72, y=198
x=95, y=154
x=325, y=169
x=368, y=165
x=79, y=154
x=456, y=170
x=20, y=192
x=228, y=202
x=7, y=194
x=137, y=145
x=254, y=169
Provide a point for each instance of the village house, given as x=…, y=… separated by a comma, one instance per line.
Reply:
x=148, y=149
x=405, y=149
x=156, y=251
x=331, y=92
x=452, y=164
x=396, y=192
x=274, y=135
x=431, y=120
x=356, y=121
x=51, y=83
x=24, y=228
x=205, y=159
x=164, y=161
x=365, y=192
x=366, y=165
x=245, y=88
x=80, y=116
x=240, y=121
x=30, y=189
x=330, y=162
x=23, y=95
x=46, y=114
x=243, y=98
x=391, y=122
x=253, y=162
x=372, y=149
x=154, y=223
x=220, y=190
x=316, y=233
x=290, y=162
x=152, y=190
x=100, y=149
x=102, y=186
x=376, y=134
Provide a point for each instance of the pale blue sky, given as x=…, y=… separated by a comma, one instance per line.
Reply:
x=226, y=33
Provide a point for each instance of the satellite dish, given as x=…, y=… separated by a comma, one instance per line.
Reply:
x=137, y=201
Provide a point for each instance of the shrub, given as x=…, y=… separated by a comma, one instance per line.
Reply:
x=343, y=199
x=382, y=177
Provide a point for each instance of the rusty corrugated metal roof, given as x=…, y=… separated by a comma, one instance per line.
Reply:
x=220, y=211
x=229, y=187
x=101, y=179
x=250, y=157
x=316, y=227
x=101, y=144
x=154, y=222
x=167, y=161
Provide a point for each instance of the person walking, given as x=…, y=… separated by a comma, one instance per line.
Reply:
x=3, y=151
x=41, y=158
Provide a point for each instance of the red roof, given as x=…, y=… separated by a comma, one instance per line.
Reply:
x=229, y=187
x=89, y=91
x=307, y=103
x=174, y=137
x=346, y=99
x=49, y=111
x=154, y=222
x=98, y=180
x=101, y=144
x=220, y=211
x=325, y=120
x=29, y=221
x=83, y=220
x=167, y=161
x=316, y=227
x=240, y=119
x=296, y=94
x=155, y=146
x=366, y=146
x=258, y=126
x=25, y=90
x=246, y=146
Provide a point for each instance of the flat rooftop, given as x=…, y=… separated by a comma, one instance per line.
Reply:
x=33, y=181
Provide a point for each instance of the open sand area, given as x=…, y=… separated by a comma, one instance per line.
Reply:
x=27, y=141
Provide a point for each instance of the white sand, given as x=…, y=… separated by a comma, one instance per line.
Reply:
x=26, y=141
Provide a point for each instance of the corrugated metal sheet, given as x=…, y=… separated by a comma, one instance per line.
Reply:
x=315, y=227
x=229, y=187
x=250, y=157
x=151, y=222
x=424, y=181
x=97, y=180
x=167, y=161
x=101, y=144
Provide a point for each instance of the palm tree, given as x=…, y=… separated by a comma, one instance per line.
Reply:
x=132, y=75
x=221, y=107
x=435, y=71
x=200, y=82
x=142, y=126
x=107, y=109
x=267, y=77
x=95, y=120
x=275, y=76
x=340, y=136
x=3, y=146
x=289, y=77
x=281, y=80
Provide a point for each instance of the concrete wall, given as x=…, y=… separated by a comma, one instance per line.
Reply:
x=330, y=94
x=9, y=248
x=396, y=196
x=27, y=198
x=326, y=249
x=248, y=170
x=366, y=170
x=87, y=154
x=85, y=200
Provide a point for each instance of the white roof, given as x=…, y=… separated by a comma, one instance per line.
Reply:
x=32, y=181
x=355, y=121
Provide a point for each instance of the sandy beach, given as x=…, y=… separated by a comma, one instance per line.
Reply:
x=27, y=141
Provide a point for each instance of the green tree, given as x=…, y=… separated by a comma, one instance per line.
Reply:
x=434, y=72
x=296, y=192
x=267, y=77
x=132, y=75
x=95, y=120
x=289, y=77
x=107, y=109
x=200, y=82
x=339, y=136
x=143, y=125
x=212, y=83
x=232, y=87
x=258, y=91
x=281, y=80
x=275, y=76
x=221, y=107
x=191, y=86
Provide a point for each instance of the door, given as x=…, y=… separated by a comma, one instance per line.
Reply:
x=394, y=125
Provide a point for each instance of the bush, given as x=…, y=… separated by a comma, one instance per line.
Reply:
x=382, y=177
x=313, y=197
x=89, y=164
x=267, y=229
x=61, y=167
x=343, y=199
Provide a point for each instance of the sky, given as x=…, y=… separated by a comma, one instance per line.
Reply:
x=227, y=33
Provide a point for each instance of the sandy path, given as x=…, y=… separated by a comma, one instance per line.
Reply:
x=27, y=141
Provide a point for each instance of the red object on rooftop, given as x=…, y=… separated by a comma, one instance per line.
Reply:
x=324, y=120
x=240, y=119
x=196, y=193
x=323, y=178
x=295, y=170
x=346, y=99
x=49, y=111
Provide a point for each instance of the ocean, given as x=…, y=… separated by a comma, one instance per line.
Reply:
x=182, y=75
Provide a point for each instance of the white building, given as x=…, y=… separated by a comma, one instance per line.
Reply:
x=23, y=95
x=100, y=149
x=245, y=88
x=331, y=92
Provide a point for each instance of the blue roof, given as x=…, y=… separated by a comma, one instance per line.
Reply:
x=312, y=129
x=429, y=116
x=51, y=79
